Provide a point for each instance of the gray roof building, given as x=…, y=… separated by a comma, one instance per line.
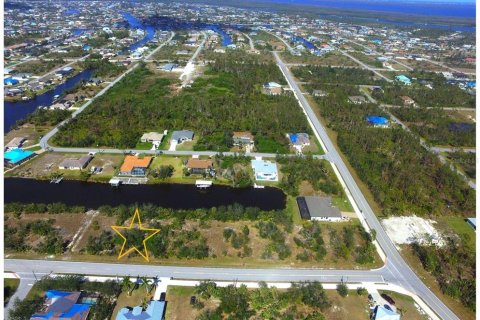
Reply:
x=75, y=164
x=318, y=208
x=182, y=135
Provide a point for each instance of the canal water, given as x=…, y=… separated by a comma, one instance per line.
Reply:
x=134, y=23
x=14, y=111
x=175, y=196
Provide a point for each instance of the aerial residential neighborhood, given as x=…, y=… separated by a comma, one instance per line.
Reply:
x=239, y=160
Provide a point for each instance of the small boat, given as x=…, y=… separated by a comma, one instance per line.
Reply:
x=56, y=180
x=203, y=184
x=257, y=186
x=56, y=97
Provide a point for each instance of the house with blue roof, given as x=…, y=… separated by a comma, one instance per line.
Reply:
x=62, y=305
x=17, y=156
x=298, y=140
x=403, y=79
x=378, y=122
x=264, y=170
x=382, y=313
x=10, y=81
x=154, y=311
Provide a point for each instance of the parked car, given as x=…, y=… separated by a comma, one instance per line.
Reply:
x=388, y=298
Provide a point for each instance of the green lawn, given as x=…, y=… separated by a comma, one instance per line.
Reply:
x=460, y=226
x=133, y=300
x=9, y=288
x=143, y=146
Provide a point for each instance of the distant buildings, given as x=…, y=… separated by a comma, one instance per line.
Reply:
x=378, y=122
x=272, y=88
x=62, y=305
x=134, y=166
x=154, y=311
x=299, y=140
x=407, y=101
x=403, y=79
x=357, y=99
x=242, y=138
x=264, y=170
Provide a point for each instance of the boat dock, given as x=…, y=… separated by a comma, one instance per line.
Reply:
x=117, y=181
x=56, y=180
x=203, y=184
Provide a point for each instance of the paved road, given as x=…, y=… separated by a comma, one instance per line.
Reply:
x=250, y=41
x=160, y=46
x=378, y=53
x=44, y=140
x=190, y=67
x=365, y=66
x=452, y=149
x=25, y=267
x=26, y=283
x=399, y=271
x=439, y=108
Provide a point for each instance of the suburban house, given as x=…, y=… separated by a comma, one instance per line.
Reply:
x=272, y=88
x=153, y=137
x=134, y=166
x=169, y=67
x=75, y=163
x=62, y=305
x=154, y=311
x=264, y=170
x=241, y=138
x=378, y=122
x=298, y=140
x=318, y=208
x=319, y=93
x=17, y=156
x=15, y=143
x=64, y=72
x=403, y=79
x=357, y=99
x=407, y=101
x=182, y=136
x=198, y=166
x=382, y=313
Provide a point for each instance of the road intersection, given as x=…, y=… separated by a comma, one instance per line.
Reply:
x=395, y=271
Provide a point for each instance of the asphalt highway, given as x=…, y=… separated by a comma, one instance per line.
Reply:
x=399, y=271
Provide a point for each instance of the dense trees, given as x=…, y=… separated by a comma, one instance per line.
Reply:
x=45, y=117
x=317, y=172
x=228, y=98
x=322, y=75
x=454, y=269
x=304, y=300
x=402, y=175
x=102, y=67
x=437, y=127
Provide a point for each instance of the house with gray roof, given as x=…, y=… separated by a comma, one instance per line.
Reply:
x=182, y=136
x=318, y=208
x=75, y=163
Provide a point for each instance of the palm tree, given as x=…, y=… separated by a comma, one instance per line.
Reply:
x=154, y=284
x=144, y=303
x=127, y=285
x=145, y=283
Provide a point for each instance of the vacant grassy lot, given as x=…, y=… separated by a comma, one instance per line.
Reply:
x=31, y=132
x=178, y=303
x=330, y=59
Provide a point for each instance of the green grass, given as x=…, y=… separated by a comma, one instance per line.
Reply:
x=342, y=203
x=460, y=226
x=9, y=288
x=34, y=148
x=143, y=146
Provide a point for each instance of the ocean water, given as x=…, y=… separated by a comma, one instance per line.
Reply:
x=459, y=9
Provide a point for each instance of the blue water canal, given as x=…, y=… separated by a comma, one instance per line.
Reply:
x=134, y=23
x=14, y=111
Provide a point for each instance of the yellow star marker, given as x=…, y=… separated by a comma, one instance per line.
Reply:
x=144, y=254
